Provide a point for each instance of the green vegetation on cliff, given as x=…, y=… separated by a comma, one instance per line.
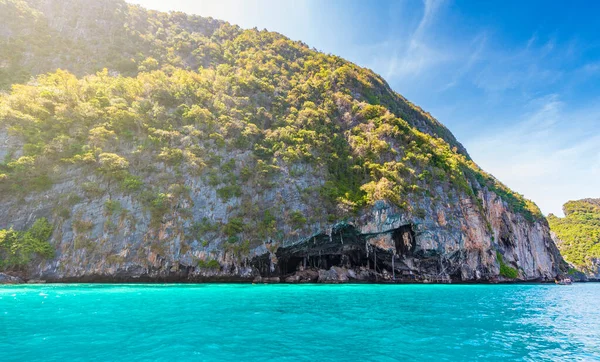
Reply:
x=18, y=248
x=506, y=270
x=578, y=232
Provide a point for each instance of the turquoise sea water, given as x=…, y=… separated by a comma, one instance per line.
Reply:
x=299, y=322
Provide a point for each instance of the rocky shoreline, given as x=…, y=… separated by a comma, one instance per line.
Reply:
x=334, y=275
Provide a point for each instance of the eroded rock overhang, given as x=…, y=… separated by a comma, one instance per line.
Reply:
x=343, y=246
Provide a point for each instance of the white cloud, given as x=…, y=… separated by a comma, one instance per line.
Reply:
x=424, y=56
x=526, y=66
x=478, y=45
x=414, y=54
x=543, y=158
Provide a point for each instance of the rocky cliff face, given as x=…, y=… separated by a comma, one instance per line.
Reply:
x=215, y=153
x=453, y=239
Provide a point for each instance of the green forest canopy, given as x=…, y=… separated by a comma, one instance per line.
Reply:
x=579, y=232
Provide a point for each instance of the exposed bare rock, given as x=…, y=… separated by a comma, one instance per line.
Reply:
x=9, y=279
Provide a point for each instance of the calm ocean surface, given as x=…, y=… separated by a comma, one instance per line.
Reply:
x=299, y=322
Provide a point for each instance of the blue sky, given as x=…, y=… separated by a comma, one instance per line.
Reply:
x=517, y=82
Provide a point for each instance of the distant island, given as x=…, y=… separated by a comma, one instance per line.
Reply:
x=577, y=235
x=138, y=145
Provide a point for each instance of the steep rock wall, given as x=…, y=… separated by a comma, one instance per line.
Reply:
x=453, y=239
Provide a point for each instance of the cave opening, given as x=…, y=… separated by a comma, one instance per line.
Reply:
x=263, y=264
x=329, y=260
x=404, y=240
x=292, y=264
x=342, y=247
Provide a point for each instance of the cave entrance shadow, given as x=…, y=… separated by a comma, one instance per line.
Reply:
x=343, y=247
x=404, y=240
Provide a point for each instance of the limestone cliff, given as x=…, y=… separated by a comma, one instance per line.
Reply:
x=206, y=152
x=453, y=239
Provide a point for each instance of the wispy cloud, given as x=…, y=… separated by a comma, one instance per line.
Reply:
x=414, y=54
x=542, y=157
x=530, y=65
x=478, y=46
x=420, y=54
